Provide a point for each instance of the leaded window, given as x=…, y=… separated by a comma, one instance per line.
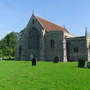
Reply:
x=34, y=39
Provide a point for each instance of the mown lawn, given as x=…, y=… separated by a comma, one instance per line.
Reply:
x=20, y=75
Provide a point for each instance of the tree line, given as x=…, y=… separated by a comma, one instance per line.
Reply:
x=8, y=46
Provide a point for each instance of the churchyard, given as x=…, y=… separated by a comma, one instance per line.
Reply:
x=21, y=75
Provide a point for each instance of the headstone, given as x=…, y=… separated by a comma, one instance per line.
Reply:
x=56, y=59
x=88, y=65
x=81, y=63
x=34, y=62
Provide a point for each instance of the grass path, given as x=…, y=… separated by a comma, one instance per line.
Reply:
x=20, y=75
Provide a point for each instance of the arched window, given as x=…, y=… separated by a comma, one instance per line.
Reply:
x=52, y=43
x=34, y=38
x=20, y=51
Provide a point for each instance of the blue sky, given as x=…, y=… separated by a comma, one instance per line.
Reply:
x=73, y=14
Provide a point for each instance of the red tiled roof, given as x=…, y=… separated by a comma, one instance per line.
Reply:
x=49, y=26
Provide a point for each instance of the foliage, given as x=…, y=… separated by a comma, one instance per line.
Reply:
x=56, y=59
x=81, y=63
x=8, y=45
x=21, y=75
x=0, y=53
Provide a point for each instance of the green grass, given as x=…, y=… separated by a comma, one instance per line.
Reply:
x=21, y=75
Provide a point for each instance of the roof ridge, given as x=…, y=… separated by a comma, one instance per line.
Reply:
x=50, y=25
x=50, y=22
x=39, y=21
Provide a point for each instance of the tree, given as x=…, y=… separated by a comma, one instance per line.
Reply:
x=8, y=44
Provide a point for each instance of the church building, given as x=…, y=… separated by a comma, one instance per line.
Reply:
x=45, y=40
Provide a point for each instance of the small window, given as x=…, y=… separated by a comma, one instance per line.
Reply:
x=52, y=43
x=76, y=50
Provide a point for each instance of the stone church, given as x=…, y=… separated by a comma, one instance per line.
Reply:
x=45, y=40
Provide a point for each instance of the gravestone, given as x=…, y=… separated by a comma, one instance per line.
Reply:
x=34, y=62
x=56, y=59
x=81, y=63
x=88, y=65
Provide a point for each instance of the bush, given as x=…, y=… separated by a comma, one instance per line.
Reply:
x=56, y=59
x=81, y=63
